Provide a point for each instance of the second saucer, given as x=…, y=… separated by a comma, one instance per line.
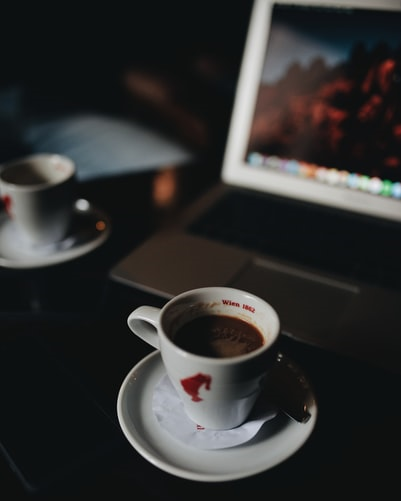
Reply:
x=90, y=228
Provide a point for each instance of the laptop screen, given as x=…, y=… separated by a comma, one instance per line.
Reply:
x=327, y=106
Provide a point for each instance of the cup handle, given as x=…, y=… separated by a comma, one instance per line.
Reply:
x=144, y=322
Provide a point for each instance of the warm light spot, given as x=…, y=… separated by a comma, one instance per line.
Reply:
x=165, y=187
x=100, y=225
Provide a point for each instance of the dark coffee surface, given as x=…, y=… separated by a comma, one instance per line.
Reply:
x=24, y=174
x=218, y=336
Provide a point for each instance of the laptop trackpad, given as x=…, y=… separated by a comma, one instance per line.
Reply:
x=309, y=306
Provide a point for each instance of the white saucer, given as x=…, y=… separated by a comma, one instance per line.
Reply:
x=277, y=440
x=90, y=228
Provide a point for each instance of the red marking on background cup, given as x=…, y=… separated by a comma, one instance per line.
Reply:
x=7, y=203
x=193, y=384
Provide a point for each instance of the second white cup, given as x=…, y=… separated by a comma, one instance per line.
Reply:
x=38, y=192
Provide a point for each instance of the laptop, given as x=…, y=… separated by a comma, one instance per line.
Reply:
x=313, y=164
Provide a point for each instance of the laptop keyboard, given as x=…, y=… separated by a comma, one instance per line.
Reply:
x=354, y=246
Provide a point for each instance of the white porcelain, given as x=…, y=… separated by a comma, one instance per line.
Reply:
x=217, y=393
x=278, y=439
x=90, y=228
x=38, y=192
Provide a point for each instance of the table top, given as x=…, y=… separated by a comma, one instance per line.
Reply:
x=81, y=314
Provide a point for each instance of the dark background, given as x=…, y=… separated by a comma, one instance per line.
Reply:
x=77, y=57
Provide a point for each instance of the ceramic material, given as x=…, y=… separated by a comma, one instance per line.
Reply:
x=278, y=439
x=90, y=228
x=217, y=392
x=38, y=192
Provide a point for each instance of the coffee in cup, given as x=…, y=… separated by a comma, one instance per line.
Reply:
x=217, y=345
x=218, y=336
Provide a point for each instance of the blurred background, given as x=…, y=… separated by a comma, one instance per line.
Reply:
x=170, y=66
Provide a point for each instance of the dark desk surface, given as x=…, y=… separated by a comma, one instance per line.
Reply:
x=82, y=314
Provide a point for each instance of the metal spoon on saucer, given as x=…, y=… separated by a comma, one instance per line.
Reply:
x=288, y=388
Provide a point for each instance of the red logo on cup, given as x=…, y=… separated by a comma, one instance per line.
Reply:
x=7, y=204
x=192, y=385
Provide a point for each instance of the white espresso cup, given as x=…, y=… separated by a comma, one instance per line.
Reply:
x=38, y=192
x=217, y=345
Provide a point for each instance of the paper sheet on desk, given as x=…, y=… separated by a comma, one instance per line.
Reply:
x=105, y=146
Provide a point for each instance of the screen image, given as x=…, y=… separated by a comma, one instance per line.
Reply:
x=329, y=101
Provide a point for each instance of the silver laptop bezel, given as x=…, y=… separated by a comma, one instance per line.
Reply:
x=236, y=171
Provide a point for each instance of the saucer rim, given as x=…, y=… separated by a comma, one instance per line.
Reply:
x=63, y=255
x=163, y=450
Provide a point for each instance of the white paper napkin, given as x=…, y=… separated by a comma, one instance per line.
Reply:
x=169, y=411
